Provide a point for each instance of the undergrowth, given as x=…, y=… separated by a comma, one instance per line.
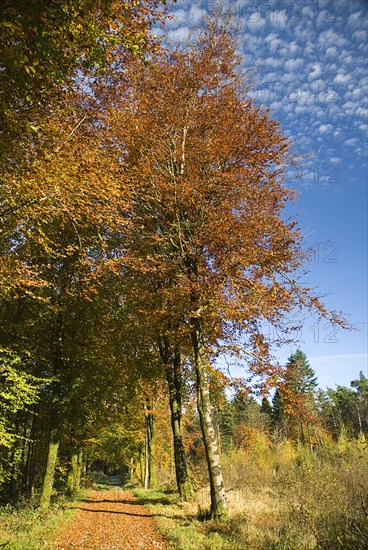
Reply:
x=296, y=500
x=29, y=528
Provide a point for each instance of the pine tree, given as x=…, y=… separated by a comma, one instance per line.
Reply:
x=294, y=401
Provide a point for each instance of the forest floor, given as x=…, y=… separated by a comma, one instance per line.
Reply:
x=111, y=520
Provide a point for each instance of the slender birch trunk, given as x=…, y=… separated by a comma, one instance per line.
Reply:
x=142, y=455
x=217, y=487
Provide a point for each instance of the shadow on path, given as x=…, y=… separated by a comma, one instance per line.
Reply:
x=118, y=521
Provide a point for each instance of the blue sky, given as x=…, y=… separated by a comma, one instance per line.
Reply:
x=309, y=63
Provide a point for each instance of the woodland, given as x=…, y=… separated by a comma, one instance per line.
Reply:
x=143, y=247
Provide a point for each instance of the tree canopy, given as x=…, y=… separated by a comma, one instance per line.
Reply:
x=144, y=234
x=44, y=44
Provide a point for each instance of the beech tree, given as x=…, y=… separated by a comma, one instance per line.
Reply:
x=52, y=219
x=44, y=46
x=47, y=52
x=205, y=170
x=54, y=259
x=19, y=391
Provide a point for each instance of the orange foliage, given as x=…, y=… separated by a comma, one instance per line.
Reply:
x=245, y=436
x=204, y=172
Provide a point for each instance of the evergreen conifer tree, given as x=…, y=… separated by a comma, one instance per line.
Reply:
x=293, y=403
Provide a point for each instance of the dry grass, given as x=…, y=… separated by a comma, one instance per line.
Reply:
x=296, y=500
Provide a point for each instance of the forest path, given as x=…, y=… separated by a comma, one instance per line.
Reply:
x=111, y=520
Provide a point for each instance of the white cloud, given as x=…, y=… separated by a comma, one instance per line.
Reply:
x=361, y=112
x=275, y=105
x=290, y=82
x=331, y=67
x=359, y=151
x=306, y=98
x=255, y=22
x=331, y=38
x=274, y=42
x=294, y=48
x=355, y=19
x=331, y=52
x=309, y=49
x=294, y=64
x=341, y=78
x=253, y=44
x=302, y=32
x=325, y=128
x=308, y=12
x=316, y=71
x=360, y=35
x=348, y=59
x=319, y=114
x=279, y=19
x=351, y=142
x=178, y=35
x=357, y=93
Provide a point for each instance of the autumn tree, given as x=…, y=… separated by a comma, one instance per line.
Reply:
x=48, y=53
x=44, y=46
x=205, y=170
x=55, y=257
x=58, y=196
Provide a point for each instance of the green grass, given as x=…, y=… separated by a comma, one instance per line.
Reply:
x=30, y=528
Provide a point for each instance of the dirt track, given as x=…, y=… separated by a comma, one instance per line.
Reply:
x=111, y=520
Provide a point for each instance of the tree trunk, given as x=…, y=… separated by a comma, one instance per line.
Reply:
x=172, y=363
x=131, y=470
x=48, y=480
x=217, y=487
x=149, y=471
x=11, y=486
x=26, y=453
x=74, y=472
x=53, y=442
x=52, y=451
x=142, y=455
x=85, y=467
x=79, y=470
x=30, y=462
